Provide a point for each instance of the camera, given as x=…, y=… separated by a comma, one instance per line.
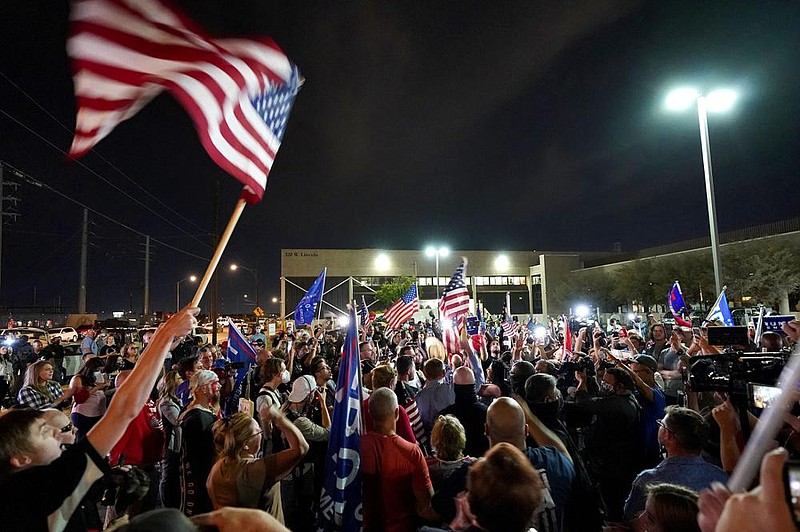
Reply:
x=583, y=364
x=733, y=373
x=791, y=483
x=233, y=365
x=125, y=485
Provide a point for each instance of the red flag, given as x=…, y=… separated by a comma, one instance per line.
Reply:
x=238, y=91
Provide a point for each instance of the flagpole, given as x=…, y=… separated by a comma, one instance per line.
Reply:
x=223, y=242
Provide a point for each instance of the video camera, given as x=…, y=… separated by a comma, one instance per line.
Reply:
x=584, y=363
x=732, y=373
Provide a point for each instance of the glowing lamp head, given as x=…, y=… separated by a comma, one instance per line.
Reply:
x=681, y=99
x=581, y=311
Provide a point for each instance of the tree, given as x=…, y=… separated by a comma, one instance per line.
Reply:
x=391, y=291
x=766, y=273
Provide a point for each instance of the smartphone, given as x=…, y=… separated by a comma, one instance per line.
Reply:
x=695, y=331
x=791, y=483
x=762, y=396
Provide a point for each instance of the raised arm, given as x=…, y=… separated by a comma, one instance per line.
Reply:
x=131, y=396
x=298, y=446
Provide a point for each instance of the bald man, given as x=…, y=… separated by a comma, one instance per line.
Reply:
x=505, y=422
x=469, y=411
x=397, y=485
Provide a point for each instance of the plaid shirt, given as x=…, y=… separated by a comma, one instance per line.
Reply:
x=30, y=396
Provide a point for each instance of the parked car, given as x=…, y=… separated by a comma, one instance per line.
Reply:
x=32, y=333
x=67, y=334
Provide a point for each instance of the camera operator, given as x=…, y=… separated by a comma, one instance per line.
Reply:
x=46, y=497
x=612, y=443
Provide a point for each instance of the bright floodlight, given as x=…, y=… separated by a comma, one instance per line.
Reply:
x=344, y=321
x=245, y=296
x=631, y=316
x=274, y=299
x=501, y=262
x=540, y=332
x=721, y=100
x=444, y=252
x=382, y=261
x=581, y=311
x=430, y=251
x=192, y=278
x=681, y=99
x=234, y=267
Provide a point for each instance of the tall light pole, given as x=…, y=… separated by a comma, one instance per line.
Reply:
x=251, y=271
x=191, y=278
x=720, y=100
x=437, y=252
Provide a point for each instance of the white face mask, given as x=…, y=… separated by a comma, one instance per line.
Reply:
x=286, y=376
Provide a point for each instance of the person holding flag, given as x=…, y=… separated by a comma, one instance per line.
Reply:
x=242, y=357
x=403, y=309
x=308, y=306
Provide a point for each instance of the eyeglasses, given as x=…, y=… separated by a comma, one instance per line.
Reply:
x=66, y=428
x=664, y=425
x=259, y=433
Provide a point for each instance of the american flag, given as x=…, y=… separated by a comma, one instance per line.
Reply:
x=509, y=325
x=455, y=297
x=363, y=312
x=451, y=334
x=238, y=91
x=403, y=308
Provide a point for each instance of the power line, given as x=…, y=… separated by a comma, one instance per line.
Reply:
x=147, y=207
x=35, y=182
x=100, y=155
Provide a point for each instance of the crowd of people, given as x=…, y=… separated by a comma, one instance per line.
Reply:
x=524, y=428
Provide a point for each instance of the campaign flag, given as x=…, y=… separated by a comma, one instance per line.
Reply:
x=677, y=306
x=771, y=323
x=238, y=91
x=455, y=297
x=307, y=308
x=479, y=314
x=530, y=325
x=402, y=309
x=240, y=352
x=721, y=312
x=341, y=498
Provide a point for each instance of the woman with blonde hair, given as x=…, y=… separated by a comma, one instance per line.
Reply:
x=39, y=390
x=238, y=478
x=448, y=440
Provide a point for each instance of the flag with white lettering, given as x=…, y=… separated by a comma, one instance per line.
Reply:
x=340, y=501
x=242, y=355
x=720, y=313
x=307, y=308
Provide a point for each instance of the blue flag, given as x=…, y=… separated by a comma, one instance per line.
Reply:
x=530, y=325
x=241, y=353
x=340, y=501
x=721, y=312
x=307, y=308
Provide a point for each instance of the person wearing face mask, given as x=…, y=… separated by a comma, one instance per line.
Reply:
x=88, y=387
x=273, y=375
x=469, y=411
x=613, y=439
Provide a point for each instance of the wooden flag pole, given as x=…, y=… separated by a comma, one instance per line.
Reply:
x=223, y=242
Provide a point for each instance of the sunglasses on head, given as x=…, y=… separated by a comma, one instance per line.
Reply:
x=66, y=428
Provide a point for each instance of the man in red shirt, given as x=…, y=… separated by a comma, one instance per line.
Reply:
x=397, y=486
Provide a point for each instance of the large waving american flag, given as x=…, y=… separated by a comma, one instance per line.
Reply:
x=239, y=92
x=402, y=309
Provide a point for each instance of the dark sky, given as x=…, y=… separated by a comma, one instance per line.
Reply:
x=483, y=125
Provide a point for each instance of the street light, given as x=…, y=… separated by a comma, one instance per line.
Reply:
x=720, y=100
x=251, y=271
x=191, y=278
x=437, y=252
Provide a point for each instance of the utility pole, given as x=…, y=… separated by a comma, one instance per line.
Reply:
x=84, y=260
x=215, y=279
x=147, y=275
x=11, y=197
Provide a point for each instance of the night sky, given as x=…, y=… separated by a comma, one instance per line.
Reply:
x=482, y=125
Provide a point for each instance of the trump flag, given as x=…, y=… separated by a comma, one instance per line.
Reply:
x=307, y=308
x=340, y=501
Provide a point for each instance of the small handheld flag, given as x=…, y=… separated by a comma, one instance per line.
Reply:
x=677, y=306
